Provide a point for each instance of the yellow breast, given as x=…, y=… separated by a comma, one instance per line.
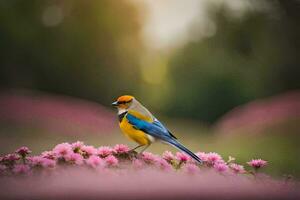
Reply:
x=136, y=135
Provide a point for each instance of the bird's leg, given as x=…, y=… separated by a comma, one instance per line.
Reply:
x=139, y=155
x=144, y=148
x=131, y=150
x=133, y=153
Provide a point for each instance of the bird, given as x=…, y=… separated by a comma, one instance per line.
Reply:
x=139, y=125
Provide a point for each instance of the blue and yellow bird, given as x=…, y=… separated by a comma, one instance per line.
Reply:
x=138, y=124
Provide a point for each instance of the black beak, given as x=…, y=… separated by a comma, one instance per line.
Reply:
x=115, y=104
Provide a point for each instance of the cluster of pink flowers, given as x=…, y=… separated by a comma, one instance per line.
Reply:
x=117, y=157
x=257, y=163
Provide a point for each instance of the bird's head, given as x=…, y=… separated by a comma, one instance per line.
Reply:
x=123, y=102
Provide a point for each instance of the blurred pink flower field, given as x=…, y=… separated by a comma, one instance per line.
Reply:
x=259, y=114
x=79, y=171
x=57, y=113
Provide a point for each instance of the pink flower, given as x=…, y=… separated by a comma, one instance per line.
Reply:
x=163, y=164
x=203, y=156
x=10, y=158
x=137, y=164
x=36, y=160
x=149, y=157
x=257, y=163
x=121, y=148
x=2, y=168
x=220, y=167
x=21, y=169
x=77, y=145
x=213, y=158
x=74, y=158
x=168, y=156
x=88, y=150
x=111, y=161
x=105, y=151
x=182, y=157
x=23, y=151
x=42, y=162
x=237, y=168
x=48, y=163
x=48, y=155
x=94, y=161
x=190, y=168
x=62, y=150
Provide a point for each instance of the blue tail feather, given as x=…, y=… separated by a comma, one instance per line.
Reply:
x=176, y=144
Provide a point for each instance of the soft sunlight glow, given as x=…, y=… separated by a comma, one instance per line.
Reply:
x=173, y=23
x=154, y=70
x=52, y=16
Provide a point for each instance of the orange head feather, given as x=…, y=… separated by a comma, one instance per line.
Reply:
x=125, y=98
x=123, y=101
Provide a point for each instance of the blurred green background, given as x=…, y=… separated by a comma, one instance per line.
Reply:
x=222, y=74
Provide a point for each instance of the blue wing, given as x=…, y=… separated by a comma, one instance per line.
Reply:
x=158, y=123
x=155, y=129
x=159, y=131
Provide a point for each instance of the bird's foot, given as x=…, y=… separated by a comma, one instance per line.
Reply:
x=132, y=153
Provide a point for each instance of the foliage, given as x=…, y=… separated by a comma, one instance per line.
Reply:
x=247, y=58
x=93, y=50
x=75, y=47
